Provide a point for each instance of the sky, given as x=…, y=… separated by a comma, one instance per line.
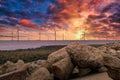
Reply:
x=67, y=19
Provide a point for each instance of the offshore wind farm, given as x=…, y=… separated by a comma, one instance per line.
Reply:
x=59, y=20
x=59, y=39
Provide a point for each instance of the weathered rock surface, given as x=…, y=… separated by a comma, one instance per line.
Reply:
x=115, y=45
x=118, y=53
x=85, y=56
x=112, y=52
x=19, y=74
x=113, y=65
x=61, y=64
x=19, y=64
x=97, y=76
x=62, y=69
x=85, y=71
x=102, y=69
x=7, y=67
x=103, y=49
x=57, y=55
x=40, y=74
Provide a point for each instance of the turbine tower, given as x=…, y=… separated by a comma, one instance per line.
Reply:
x=39, y=35
x=18, y=33
x=55, y=33
x=12, y=35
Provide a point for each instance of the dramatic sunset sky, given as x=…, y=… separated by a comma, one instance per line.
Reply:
x=70, y=19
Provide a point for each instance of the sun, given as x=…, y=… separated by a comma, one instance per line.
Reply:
x=79, y=34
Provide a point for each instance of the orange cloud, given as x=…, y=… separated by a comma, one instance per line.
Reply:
x=29, y=24
x=3, y=29
x=62, y=1
x=98, y=1
x=64, y=11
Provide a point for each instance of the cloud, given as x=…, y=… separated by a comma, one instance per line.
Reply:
x=97, y=16
x=28, y=24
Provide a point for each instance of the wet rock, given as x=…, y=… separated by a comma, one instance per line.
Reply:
x=113, y=65
x=85, y=56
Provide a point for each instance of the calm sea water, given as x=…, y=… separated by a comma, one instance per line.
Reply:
x=13, y=45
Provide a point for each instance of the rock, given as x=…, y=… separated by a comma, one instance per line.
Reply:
x=19, y=64
x=19, y=74
x=96, y=76
x=32, y=68
x=115, y=45
x=102, y=69
x=7, y=67
x=56, y=56
x=85, y=56
x=41, y=63
x=113, y=65
x=111, y=52
x=40, y=74
x=62, y=69
x=75, y=70
x=118, y=53
x=103, y=49
x=84, y=71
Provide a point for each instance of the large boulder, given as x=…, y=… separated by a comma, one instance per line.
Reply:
x=113, y=65
x=7, y=67
x=115, y=45
x=37, y=64
x=41, y=63
x=62, y=69
x=112, y=52
x=85, y=56
x=56, y=56
x=19, y=74
x=84, y=71
x=118, y=53
x=103, y=49
x=19, y=64
x=79, y=72
x=40, y=74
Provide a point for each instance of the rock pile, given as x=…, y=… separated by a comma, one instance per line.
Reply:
x=72, y=59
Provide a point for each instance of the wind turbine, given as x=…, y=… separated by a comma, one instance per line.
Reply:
x=55, y=32
x=12, y=35
x=18, y=32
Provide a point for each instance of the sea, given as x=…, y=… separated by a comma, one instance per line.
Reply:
x=14, y=45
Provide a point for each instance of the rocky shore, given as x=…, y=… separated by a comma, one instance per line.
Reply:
x=73, y=62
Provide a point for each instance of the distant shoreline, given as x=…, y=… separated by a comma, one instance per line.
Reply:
x=25, y=44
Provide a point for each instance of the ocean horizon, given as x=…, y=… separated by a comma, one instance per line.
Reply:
x=26, y=44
